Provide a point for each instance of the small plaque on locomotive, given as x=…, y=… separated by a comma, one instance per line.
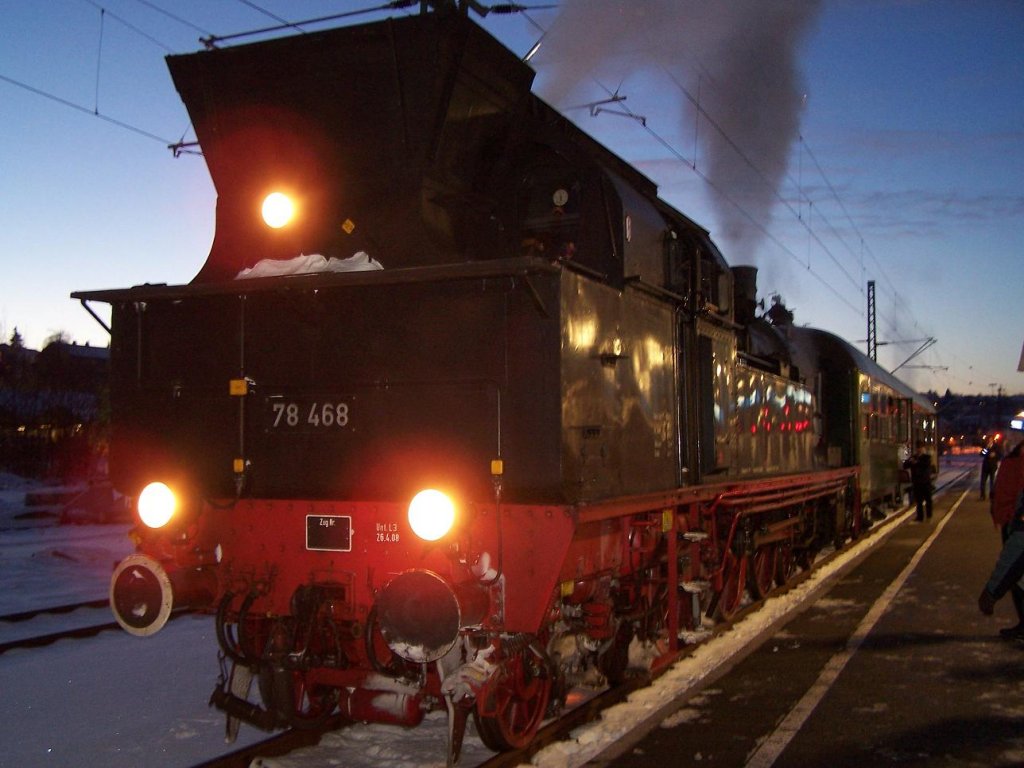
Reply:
x=285, y=414
x=329, y=533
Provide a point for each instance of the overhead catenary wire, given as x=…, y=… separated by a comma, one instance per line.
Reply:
x=846, y=213
x=106, y=12
x=129, y=25
x=95, y=110
x=402, y=3
x=211, y=40
x=679, y=155
x=814, y=212
x=85, y=110
x=173, y=17
x=824, y=221
x=701, y=111
x=99, y=61
x=760, y=174
x=270, y=15
x=857, y=284
x=692, y=164
x=896, y=299
x=805, y=198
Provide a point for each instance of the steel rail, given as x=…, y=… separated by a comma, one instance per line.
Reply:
x=26, y=615
x=38, y=641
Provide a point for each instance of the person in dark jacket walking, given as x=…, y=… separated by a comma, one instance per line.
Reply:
x=922, y=471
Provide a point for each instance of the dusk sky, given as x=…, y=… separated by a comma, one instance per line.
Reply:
x=828, y=143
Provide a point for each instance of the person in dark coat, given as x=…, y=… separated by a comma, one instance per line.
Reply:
x=1006, y=499
x=989, y=464
x=922, y=472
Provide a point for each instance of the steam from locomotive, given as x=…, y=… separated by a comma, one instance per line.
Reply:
x=746, y=77
x=458, y=410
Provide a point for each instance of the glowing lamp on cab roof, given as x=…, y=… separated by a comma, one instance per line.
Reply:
x=278, y=210
x=157, y=504
x=431, y=514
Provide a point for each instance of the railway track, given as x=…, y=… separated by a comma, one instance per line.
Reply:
x=274, y=746
x=588, y=711
x=40, y=640
x=26, y=615
x=35, y=641
x=70, y=633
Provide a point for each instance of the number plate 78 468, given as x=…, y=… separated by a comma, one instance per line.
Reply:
x=302, y=415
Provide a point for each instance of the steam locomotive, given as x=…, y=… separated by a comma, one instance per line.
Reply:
x=458, y=410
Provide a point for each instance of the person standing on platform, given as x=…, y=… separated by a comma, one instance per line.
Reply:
x=922, y=472
x=1007, y=506
x=989, y=466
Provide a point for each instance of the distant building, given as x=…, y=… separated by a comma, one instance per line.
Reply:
x=51, y=408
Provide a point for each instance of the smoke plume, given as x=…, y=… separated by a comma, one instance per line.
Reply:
x=740, y=56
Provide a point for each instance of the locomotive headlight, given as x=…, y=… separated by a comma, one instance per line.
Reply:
x=278, y=210
x=157, y=505
x=431, y=514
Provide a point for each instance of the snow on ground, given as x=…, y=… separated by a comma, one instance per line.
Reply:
x=112, y=700
x=43, y=564
x=117, y=700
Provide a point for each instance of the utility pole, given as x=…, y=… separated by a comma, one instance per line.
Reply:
x=872, y=328
x=999, y=408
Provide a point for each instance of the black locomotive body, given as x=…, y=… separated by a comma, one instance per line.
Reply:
x=623, y=445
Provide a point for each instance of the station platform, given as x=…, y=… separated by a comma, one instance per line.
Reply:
x=893, y=665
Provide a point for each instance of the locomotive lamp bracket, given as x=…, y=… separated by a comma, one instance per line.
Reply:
x=96, y=317
x=241, y=387
x=612, y=353
x=609, y=359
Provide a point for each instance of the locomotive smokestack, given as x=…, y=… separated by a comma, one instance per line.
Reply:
x=745, y=293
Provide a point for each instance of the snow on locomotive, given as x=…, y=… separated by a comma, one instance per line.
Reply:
x=472, y=410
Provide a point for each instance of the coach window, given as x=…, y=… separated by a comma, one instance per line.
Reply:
x=550, y=205
x=677, y=263
x=554, y=193
x=904, y=414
